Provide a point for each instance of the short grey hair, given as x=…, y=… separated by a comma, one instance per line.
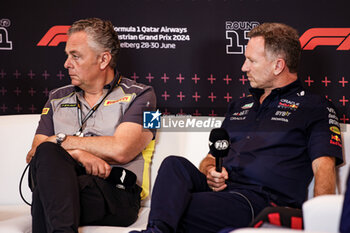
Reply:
x=101, y=34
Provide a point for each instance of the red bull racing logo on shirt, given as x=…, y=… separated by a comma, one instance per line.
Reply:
x=335, y=140
x=287, y=104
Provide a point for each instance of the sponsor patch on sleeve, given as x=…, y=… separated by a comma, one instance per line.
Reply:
x=335, y=140
x=45, y=111
x=335, y=130
x=333, y=120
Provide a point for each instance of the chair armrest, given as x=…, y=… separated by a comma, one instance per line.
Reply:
x=323, y=213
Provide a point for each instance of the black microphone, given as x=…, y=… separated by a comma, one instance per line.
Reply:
x=219, y=144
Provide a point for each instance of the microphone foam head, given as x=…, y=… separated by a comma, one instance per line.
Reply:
x=219, y=142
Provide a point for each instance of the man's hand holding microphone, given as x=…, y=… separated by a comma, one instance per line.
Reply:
x=219, y=144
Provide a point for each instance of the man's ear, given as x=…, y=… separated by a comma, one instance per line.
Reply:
x=280, y=65
x=105, y=60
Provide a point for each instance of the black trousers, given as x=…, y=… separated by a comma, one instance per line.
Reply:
x=183, y=201
x=64, y=197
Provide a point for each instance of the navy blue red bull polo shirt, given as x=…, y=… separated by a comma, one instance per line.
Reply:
x=274, y=143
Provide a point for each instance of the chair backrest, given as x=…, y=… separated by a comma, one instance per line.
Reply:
x=186, y=143
x=17, y=133
x=343, y=170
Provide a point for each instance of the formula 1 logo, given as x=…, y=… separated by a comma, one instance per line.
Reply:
x=5, y=44
x=54, y=36
x=326, y=37
x=236, y=33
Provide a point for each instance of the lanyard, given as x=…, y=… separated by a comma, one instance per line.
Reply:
x=92, y=110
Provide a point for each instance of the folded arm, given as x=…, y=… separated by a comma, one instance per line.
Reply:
x=127, y=142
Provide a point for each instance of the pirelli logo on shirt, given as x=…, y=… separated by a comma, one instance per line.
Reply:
x=45, y=111
x=124, y=99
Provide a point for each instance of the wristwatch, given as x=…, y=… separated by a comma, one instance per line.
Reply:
x=60, y=137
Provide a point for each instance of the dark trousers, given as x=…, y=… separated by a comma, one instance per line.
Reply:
x=64, y=197
x=183, y=201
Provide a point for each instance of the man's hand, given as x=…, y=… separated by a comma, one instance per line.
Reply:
x=51, y=139
x=38, y=139
x=30, y=155
x=216, y=180
x=93, y=164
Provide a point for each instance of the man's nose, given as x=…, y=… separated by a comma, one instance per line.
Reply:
x=245, y=66
x=67, y=63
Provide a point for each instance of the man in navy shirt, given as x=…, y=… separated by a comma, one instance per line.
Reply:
x=280, y=137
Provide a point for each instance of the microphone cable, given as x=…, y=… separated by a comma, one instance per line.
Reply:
x=247, y=200
x=20, y=185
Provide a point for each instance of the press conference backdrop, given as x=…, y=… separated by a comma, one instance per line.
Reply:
x=190, y=51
